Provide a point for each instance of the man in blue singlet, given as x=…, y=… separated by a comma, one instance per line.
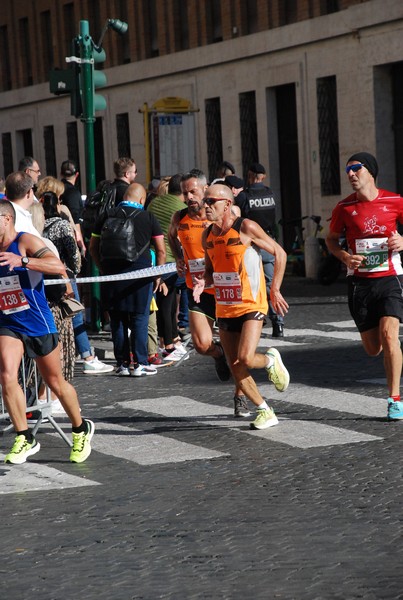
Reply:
x=26, y=324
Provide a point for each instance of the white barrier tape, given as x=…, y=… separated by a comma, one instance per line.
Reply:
x=140, y=274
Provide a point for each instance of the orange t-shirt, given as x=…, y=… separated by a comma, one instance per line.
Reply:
x=238, y=274
x=190, y=232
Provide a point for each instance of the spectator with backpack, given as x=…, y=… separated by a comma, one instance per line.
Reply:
x=120, y=243
x=108, y=194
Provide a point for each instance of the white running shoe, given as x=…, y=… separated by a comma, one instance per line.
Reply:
x=95, y=366
x=142, y=370
x=176, y=355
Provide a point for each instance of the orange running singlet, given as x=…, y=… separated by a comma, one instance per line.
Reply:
x=238, y=274
x=190, y=233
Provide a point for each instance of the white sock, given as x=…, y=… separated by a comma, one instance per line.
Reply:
x=263, y=406
x=270, y=361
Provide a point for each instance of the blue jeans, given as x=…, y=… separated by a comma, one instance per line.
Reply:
x=137, y=322
x=183, y=315
x=83, y=345
x=268, y=268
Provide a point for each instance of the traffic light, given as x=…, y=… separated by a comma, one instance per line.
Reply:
x=67, y=81
x=98, y=78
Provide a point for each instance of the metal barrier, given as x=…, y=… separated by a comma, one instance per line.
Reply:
x=30, y=380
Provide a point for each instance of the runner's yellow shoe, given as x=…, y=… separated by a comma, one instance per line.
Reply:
x=21, y=450
x=277, y=372
x=82, y=443
x=265, y=418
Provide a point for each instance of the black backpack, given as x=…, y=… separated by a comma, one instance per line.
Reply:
x=118, y=239
x=97, y=203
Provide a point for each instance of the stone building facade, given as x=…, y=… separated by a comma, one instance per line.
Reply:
x=298, y=85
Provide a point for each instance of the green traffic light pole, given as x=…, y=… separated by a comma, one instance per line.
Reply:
x=90, y=79
x=88, y=118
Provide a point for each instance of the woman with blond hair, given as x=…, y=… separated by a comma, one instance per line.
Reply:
x=51, y=184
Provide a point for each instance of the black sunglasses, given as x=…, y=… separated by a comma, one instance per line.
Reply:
x=212, y=201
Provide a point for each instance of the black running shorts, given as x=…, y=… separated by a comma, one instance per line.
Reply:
x=236, y=323
x=206, y=306
x=41, y=345
x=370, y=299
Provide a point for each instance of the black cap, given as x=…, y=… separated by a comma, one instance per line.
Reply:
x=257, y=168
x=234, y=181
x=368, y=161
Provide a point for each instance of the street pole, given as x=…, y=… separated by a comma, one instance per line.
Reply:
x=88, y=118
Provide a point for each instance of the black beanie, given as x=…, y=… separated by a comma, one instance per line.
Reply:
x=368, y=161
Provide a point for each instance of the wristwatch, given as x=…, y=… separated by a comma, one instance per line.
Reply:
x=24, y=261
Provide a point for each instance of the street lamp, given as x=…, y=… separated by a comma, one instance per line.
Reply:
x=115, y=24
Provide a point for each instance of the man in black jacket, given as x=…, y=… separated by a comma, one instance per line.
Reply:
x=71, y=197
x=257, y=203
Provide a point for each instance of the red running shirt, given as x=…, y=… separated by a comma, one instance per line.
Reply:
x=368, y=225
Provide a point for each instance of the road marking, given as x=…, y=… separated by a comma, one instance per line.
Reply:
x=146, y=448
x=300, y=434
x=34, y=477
x=340, y=324
x=344, y=402
x=339, y=335
x=305, y=434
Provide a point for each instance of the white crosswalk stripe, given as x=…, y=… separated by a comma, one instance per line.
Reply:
x=34, y=477
x=146, y=448
x=300, y=434
x=344, y=402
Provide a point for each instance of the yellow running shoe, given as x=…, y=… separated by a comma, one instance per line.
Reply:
x=265, y=418
x=277, y=372
x=21, y=450
x=82, y=443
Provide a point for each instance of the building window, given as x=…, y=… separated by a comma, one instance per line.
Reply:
x=72, y=143
x=25, y=53
x=248, y=124
x=50, y=152
x=123, y=134
x=99, y=150
x=123, y=43
x=249, y=16
x=69, y=27
x=24, y=143
x=288, y=12
x=397, y=124
x=5, y=73
x=47, y=45
x=151, y=29
x=329, y=6
x=328, y=131
x=213, y=135
x=213, y=21
x=181, y=25
x=7, y=153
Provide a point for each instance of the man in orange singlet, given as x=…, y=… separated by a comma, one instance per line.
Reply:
x=185, y=240
x=234, y=266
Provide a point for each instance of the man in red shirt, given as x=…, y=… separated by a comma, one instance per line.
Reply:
x=369, y=217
